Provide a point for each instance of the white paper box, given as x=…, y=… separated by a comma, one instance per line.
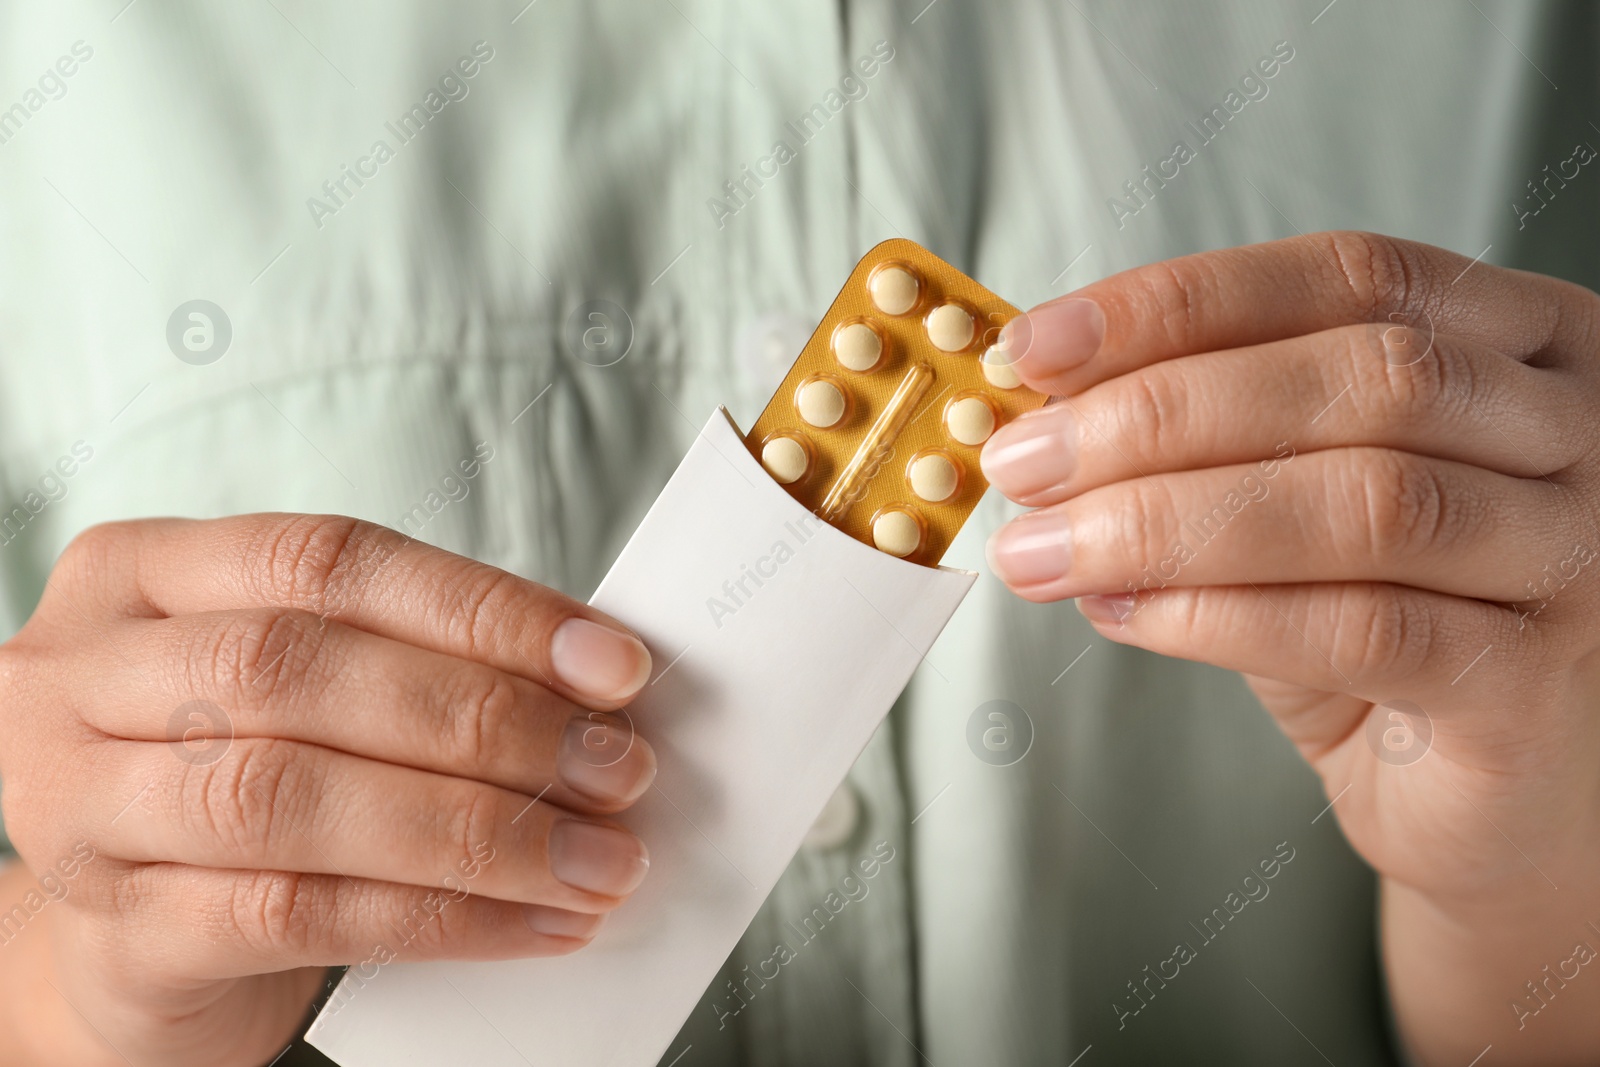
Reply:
x=762, y=699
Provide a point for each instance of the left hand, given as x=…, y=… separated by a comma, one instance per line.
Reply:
x=1362, y=471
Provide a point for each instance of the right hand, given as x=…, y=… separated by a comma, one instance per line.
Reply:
x=269, y=744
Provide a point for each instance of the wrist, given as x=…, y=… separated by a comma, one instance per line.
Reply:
x=1517, y=967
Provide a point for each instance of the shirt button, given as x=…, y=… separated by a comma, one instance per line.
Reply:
x=838, y=821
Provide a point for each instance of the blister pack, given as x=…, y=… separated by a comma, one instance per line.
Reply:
x=878, y=425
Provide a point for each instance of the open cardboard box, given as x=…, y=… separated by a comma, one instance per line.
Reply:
x=779, y=644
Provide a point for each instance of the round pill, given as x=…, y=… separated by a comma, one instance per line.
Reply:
x=894, y=290
x=933, y=478
x=857, y=346
x=896, y=533
x=785, y=459
x=970, y=420
x=950, y=327
x=821, y=403
x=997, y=369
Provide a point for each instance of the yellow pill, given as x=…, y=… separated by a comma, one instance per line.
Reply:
x=857, y=347
x=785, y=459
x=970, y=420
x=997, y=369
x=950, y=327
x=894, y=290
x=896, y=533
x=933, y=478
x=821, y=403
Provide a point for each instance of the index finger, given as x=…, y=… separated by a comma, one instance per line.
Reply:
x=369, y=577
x=1271, y=292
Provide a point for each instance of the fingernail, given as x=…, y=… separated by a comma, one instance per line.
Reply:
x=1032, y=454
x=1118, y=608
x=597, y=859
x=604, y=759
x=1035, y=548
x=598, y=661
x=557, y=922
x=1056, y=337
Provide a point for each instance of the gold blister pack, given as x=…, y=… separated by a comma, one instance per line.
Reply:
x=878, y=426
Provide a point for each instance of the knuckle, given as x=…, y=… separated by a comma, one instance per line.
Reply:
x=1194, y=610
x=244, y=799
x=112, y=889
x=1405, y=506
x=429, y=927
x=1151, y=410
x=468, y=821
x=32, y=807
x=119, y=906
x=94, y=551
x=99, y=539
x=1412, y=377
x=314, y=561
x=283, y=914
x=1401, y=345
x=1145, y=520
x=1174, y=289
x=479, y=707
x=259, y=658
x=1382, y=632
x=1378, y=271
x=477, y=608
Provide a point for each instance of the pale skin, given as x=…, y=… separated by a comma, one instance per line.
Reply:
x=1431, y=534
x=419, y=752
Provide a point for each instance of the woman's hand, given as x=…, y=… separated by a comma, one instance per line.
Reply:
x=236, y=752
x=1363, y=472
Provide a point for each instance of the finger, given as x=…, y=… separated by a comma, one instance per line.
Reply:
x=1460, y=401
x=374, y=579
x=1377, y=641
x=1350, y=514
x=280, y=673
x=1270, y=292
x=282, y=805
x=207, y=924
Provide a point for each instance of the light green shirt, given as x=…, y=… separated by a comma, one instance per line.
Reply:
x=396, y=311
